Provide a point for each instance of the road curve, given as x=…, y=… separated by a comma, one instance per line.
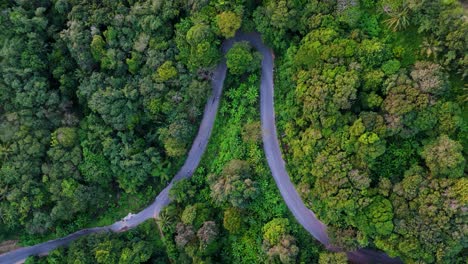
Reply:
x=272, y=152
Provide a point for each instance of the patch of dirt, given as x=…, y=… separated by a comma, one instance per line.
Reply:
x=8, y=245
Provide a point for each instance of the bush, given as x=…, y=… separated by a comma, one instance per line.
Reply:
x=189, y=215
x=228, y=23
x=240, y=59
x=391, y=67
x=166, y=71
x=370, y=25
x=275, y=229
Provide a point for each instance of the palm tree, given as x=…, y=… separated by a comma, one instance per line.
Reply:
x=398, y=18
x=164, y=220
x=4, y=151
x=162, y=171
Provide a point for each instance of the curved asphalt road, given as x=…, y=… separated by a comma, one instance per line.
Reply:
x=272, y=152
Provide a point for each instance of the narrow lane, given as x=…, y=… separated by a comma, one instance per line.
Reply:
x=272, y=150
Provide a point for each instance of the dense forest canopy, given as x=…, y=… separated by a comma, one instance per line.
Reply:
x=100, y=102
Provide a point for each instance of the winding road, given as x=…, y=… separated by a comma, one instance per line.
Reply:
x=272, y=152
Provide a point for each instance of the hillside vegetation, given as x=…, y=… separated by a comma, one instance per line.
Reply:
x=100, y=101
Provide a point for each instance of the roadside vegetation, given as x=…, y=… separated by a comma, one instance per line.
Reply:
x=371, y=108
x=234, y=195
x=100, y=101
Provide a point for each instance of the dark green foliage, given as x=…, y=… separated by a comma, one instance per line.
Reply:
x=95, y=168
x=181, y=191
x=398, y=157
x=100, y=101
x=141, y=245
x=82, y=120
x=370, y=25
x=351, y=16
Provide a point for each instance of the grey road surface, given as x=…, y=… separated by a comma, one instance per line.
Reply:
x=272, y=150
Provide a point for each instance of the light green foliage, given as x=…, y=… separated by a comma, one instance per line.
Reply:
x=373, y=100
x=373, y=79
x=155, y=106
x=205, y=54
x=134, y=62
x=64, y=136
x=277, y=242
x=198, y=34
x=372, y=52
x=275, y=229
x=338, y=258
x=166, y=71
x=391, y=67
x=378, y=217
x=368, y=138
x=247, y=249
x=449, y=118
x=110, y=34
x=228, y=23
x=357, y=129
x=232, y=220
x=189, y=214
x=398, y=18
x=98, y=47
x=315, y=47
x=241, y=59
x=109, y=61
